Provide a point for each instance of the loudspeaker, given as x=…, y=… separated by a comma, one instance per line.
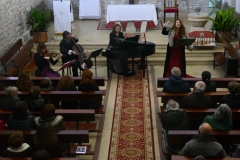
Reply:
x=231, y=67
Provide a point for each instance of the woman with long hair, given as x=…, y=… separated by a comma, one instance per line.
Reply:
x=24, y=82
x=175, y=54
x=88, y=84
x=42, y=59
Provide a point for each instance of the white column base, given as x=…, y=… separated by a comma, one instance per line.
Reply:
x=143, y=27
x=130, y=27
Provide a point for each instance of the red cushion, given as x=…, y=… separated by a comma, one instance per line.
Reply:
x=170, y=10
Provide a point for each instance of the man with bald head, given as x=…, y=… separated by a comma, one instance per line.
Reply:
x=176, y=84
x=197, y=99
x=203, y=144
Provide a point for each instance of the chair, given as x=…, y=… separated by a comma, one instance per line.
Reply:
x=170, y=6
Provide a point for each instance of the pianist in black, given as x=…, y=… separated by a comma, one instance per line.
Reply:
x=117, y=66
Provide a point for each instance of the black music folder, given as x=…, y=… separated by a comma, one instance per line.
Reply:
x=184, y=42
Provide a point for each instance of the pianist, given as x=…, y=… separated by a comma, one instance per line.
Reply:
x=117, y=66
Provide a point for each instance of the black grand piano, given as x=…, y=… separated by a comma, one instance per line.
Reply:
x=132, y=50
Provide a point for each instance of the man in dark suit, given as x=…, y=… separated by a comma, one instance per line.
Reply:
x=197, y=99
x=66, y=49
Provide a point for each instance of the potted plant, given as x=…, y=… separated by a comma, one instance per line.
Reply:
x=225, y=23
x=39, y=20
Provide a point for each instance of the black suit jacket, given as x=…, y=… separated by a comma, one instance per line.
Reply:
x=196, y=100
x=64, y=48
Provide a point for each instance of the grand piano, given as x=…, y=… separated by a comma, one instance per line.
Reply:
x=130, y=50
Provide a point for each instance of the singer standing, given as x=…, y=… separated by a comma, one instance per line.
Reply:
x=66, y=49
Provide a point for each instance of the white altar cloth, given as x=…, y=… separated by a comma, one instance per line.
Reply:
x=89, y=9
x=136, y=12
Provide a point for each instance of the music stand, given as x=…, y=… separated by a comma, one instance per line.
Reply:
x=184, y=42
x=67, y=64
x=94, y=54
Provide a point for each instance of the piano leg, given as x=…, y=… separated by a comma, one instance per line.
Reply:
x=143, y=65
x=108, y=67
x=132, y=64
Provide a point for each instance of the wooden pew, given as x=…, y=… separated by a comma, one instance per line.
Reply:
x=12, y=81
x=216, y=96
x=20, y=59
x=75, y=115
x=68, y=158
x=220, y=82
x=64, y=136
x=5, y=57
x=176, y=157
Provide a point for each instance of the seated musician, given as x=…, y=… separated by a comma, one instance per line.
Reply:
x=117, y=66
x=66, y=46
x=42, y=59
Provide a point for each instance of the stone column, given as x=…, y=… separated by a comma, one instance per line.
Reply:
x=237, y=6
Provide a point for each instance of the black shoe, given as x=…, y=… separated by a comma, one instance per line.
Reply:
x=129, y=73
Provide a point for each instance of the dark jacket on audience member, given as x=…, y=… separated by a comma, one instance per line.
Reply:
x=89, y=87
x=236, y=154
x=210, y=87
x=55, y=121
x=176, y=85
x=36, y=104
x=7, y=103
x=54, y=151
x=24, y=124
x=174, y=120
x=23, y=151
x=205, y=146
x=70, y=104
x=232, y=100
x=196, y=100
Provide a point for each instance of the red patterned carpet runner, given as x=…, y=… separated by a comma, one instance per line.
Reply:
x=132, y=131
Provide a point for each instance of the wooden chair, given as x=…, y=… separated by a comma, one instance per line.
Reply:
x=170, y=6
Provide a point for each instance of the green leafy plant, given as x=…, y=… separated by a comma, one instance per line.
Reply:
x=225, y=21
x=39, y=20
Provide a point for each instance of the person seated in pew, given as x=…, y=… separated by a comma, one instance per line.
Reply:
x=210, y=86
x=10, y=99
x=42, y=59
x=35, y=102
x=17, y=148
x=233, y=98
x=2, y=87
x=41, y=154
x=197, y=99
x=46, y=85
x=236, y=154
x=21, y=119
x=199, y=157
x=176, y=84
x=88, y=84
x=66, y=84
x=174, y=118
x=48, y=116
x=203, y=144
x=45, y=138
x=221, y=119
x=24, y=82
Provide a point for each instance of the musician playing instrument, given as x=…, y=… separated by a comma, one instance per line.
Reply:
x=66, y=46
x=42, y=59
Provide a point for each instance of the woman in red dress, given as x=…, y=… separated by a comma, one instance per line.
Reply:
x=175, y=56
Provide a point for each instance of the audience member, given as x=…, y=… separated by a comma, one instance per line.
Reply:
x=66, y=84
x=236, y=154
x=176, y=84
x=46, y=84
x=16, y=147
x=233, y=98
x=88, y=84
x=174, y=119
x=221, y=119
x=41, y=154
x=24, y=82
x=199, y=157
x=35, y=102
x=203, y=144
x=10, y=99
x=1, y=87
x=45, y=138
x=210, y=86
x=48, y=116
x=197, y=99
x=21, y=119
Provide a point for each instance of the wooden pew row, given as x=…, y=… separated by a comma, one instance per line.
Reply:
x=176, y=157
x=12, y=81
x=216, y=96
x=75, y=115
x=64, y=136
x=31, y=158
x=220, y=82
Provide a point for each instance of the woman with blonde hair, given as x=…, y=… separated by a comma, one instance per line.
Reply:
x=24, y=82
x=88, y=84
x=66, y=84
x=10, y=99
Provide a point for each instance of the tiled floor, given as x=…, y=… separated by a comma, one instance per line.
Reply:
x=86, y=31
